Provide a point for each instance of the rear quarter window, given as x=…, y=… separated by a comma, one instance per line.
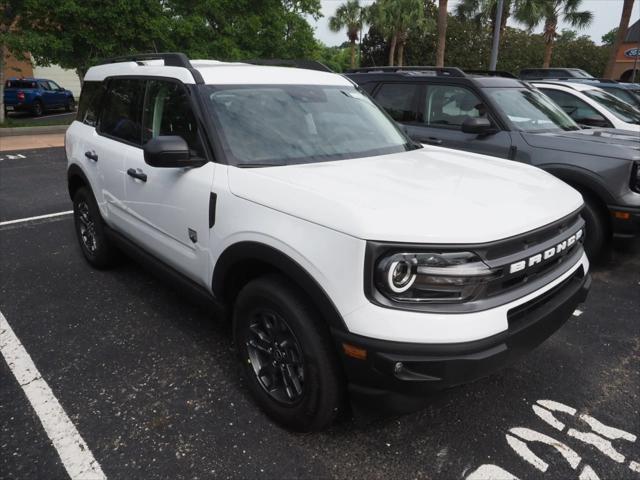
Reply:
x=89, y=105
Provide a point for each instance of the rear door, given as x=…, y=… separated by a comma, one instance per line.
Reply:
x=168, y=208
x=59, y=93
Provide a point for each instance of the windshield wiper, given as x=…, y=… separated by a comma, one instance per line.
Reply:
x=259, y=164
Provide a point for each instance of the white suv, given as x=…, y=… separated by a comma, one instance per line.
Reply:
x=356, y=264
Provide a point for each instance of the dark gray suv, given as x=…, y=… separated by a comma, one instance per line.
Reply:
x=508, y=118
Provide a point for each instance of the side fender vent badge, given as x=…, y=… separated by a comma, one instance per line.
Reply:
x=193, y=235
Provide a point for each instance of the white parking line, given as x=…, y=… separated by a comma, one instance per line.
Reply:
x=72, y=449
x=39, y=217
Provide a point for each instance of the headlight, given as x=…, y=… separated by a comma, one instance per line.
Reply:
x=450, y=277
x=635, y=177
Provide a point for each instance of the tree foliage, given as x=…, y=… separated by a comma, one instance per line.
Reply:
x=350, y=16
x=77, y=33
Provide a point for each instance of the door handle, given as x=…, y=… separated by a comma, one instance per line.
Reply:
x=432, y=141
x=139, y=174
x=91, y=155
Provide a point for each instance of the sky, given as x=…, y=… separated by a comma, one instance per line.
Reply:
x=606, y=15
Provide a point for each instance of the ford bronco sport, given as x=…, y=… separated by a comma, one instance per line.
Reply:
x=356, y=264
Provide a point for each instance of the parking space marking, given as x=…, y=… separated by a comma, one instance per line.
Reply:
x=72, y=449
x=39, y=217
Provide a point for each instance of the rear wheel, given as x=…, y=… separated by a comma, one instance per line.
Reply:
x=597, y=228
x=37, y=108
x=288, y=360
x=89, y=226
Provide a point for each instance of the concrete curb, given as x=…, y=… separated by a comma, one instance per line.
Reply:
x=45, y=129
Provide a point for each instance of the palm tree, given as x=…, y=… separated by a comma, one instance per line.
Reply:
x=442, y=32
x=396, y=19
x=534, y=12
x=627, y=7
x=350, y=16
x=482, y=12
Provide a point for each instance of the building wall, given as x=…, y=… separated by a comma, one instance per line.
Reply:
x=17, y=68
x=65, y=78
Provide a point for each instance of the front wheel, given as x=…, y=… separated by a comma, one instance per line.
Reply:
x=89, y=226
x=69, y=106
x=596, y=229
x=288, y=360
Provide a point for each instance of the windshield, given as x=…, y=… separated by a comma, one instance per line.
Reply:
x=530, y=110
x=620, y=109
x=287, y=124
x=625, y=96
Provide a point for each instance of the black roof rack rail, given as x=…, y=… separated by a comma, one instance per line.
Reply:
x=491, y=73
x=296, y=63
x=171, y=59
x=441, y=71
x=574, y=79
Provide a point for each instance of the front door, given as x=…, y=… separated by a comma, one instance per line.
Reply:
x=444, y=109
x=169, y=207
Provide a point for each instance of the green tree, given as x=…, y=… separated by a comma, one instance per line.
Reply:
x=10, y=11
x=349, y=15
x=483, y=12
x=610, y=37
x=549, y=12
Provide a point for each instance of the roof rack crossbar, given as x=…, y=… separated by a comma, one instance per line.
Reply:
x=296, y=63
x=443, y=71
x=171, y=59
x=492, y=73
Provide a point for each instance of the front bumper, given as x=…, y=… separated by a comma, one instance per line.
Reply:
x=625, y=221
x=395, y=375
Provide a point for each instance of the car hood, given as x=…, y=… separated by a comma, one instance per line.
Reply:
x=430, y=195
x=605, y=142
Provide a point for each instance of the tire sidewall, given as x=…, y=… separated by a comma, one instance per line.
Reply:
x=101, y=257
x=596, y=231
x=38, y=109
x=321, y=381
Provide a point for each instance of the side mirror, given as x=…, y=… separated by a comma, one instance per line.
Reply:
x=60, y=89
x=170, y=151
x=477, y=126
x=593, y=121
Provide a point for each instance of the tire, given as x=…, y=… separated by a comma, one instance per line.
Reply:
x=276, y=329
x=38, y=109
x=597, y=231
x=69, y=106
x=94, y=243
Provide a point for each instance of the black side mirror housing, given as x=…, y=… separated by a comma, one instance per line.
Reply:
x=593, y=122
x=477, y=126
x=169, y=151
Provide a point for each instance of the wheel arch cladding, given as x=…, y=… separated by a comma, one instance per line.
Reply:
x=76, y=179
x=245, y=261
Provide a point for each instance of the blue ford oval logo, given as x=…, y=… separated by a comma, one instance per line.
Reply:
x=632, y=52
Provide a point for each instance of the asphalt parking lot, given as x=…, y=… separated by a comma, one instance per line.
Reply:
x=150, y=380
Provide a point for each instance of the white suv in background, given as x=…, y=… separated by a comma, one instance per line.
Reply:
x=591, y=106
x=356, y=264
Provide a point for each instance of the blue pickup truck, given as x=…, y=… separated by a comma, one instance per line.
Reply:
x=36, y=95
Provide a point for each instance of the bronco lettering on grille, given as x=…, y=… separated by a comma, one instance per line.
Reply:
x=547, y=254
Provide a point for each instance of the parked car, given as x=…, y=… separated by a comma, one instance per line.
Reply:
x=627, y=92
x=538, y=73
x=353, y=260
x=36, y=95
x=508, y=118
x=591, y=106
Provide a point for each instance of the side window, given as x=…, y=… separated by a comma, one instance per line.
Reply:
x=53, y=85
x=167, y=111
x=44, y=85
x=399, y=100
x=120, y=116
x=448, y=106
x=369, y=87
x=577, y=109
x=90, y=102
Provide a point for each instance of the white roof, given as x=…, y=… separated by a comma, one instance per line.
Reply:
x=220, y=73
x=581, y=87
